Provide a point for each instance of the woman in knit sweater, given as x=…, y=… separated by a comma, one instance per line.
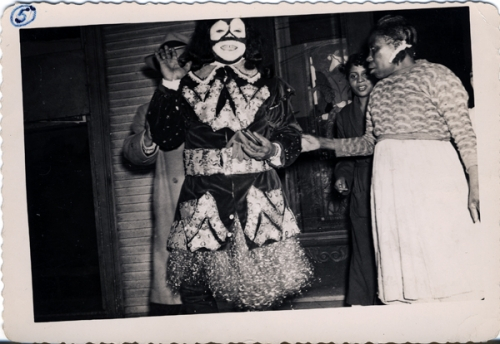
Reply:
x=423, y=209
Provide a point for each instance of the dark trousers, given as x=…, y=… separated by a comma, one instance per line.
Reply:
x=158, y=309
x=362, y=282
x=197, y=299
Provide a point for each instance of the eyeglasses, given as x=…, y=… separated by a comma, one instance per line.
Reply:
x=174, y=52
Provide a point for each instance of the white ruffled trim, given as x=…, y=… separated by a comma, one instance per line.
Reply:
x=205, y=81
x=171, y=84
x=250, y=79
x=276, y=158
x=238, y=71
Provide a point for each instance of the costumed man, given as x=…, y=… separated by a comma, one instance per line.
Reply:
x=139, y=149
x=234, y=234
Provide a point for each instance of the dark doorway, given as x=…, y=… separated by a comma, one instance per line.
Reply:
x=62, y=227
x=70, y=225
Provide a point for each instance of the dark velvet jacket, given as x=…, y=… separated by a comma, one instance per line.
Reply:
x=204, y=113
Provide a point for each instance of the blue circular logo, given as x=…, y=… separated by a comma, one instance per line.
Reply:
x=23, y=15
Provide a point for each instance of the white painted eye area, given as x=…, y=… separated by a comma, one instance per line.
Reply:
x=218, y=30
x=228, y=39
x=237, y=28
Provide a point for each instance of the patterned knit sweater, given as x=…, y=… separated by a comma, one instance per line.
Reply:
x=427, y=99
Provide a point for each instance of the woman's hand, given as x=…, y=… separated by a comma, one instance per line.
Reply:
x=341, y=186
x=310, y=143
x=474, y=194
x=169, y=65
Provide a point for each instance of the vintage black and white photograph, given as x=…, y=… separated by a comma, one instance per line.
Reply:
x=241, y=166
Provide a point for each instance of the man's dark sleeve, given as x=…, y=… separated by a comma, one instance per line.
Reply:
x=166, y=118
x=286, y=130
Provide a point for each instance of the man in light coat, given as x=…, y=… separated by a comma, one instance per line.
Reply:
x=139, y=149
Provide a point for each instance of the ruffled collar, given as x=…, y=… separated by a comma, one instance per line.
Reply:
x=207, y=73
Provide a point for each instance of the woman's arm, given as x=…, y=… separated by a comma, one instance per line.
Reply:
x=474, y=193
x=355, y=146
x=451, y=99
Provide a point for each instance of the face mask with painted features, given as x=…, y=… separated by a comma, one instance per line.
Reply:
x=228, y=39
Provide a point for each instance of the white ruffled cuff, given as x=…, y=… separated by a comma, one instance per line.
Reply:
x=171, y=84
x=275, y=160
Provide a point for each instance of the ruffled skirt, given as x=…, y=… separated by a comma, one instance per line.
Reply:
x=250, y=279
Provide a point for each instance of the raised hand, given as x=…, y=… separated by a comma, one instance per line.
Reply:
x=169, y=65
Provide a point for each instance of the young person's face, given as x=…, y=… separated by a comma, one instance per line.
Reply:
x=360, y=82
x=380, y=58
x=228, y=40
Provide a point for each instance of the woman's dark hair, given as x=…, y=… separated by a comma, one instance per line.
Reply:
x=199, y=50
x=358, y=59
x=397, y=28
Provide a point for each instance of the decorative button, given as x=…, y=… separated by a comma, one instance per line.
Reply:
x=229, y=235
x=231, y=216
x=175, y=180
